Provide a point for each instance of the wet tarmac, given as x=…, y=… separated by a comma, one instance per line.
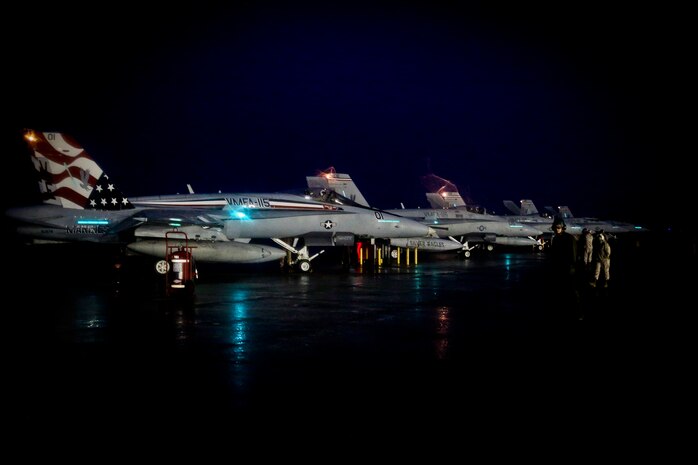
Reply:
x=475, y=340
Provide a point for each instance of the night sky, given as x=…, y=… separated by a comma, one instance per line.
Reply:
x=573, y=104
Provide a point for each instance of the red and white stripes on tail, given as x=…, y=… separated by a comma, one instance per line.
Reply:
x=69, y=177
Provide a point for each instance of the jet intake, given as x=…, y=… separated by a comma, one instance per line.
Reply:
x=491, y=238
x=343, y=239
x=329, y=240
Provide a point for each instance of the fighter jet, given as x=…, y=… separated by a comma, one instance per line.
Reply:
x=81, y=203
x=529, y=214
x=450, y=218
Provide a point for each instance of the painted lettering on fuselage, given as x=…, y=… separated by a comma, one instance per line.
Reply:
x=86, y=229
x=444, y=214
x=416, y=243
x=250, y=202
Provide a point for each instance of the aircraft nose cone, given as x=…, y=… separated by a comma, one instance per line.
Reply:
x=406, y=227
x=14, y=213
x=525, y=229
x=531, y=231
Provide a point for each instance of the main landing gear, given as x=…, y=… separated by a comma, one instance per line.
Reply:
x=467, y=249
x=302, y=259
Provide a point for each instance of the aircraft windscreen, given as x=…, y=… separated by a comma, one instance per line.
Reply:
x=331, y=196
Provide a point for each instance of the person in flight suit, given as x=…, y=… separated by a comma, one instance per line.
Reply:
x=586, y=254
x=602, y=259
x=562, y=258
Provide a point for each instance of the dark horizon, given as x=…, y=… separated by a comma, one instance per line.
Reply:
x=559, y=104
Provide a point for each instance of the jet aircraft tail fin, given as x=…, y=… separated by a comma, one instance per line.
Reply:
x=445, y=199
x=564, y=212
x=69, y=177
x=340, y=183
x=512, y=207
x=528, y=208
x=442, y=193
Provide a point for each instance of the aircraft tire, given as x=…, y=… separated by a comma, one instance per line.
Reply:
x=162, y=267
x=304, y=266
x=393, y=253
x=466, y=254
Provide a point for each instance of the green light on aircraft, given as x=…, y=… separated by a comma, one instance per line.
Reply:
x=93, y=222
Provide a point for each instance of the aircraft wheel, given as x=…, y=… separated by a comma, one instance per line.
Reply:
x=490, y=247
x=162, y=266
x=393, y=253
x=466, y=254
x=304, y=266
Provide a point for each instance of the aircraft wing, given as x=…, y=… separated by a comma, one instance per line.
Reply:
x=177, y=217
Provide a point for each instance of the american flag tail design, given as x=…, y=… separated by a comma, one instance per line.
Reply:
x=69, y=177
